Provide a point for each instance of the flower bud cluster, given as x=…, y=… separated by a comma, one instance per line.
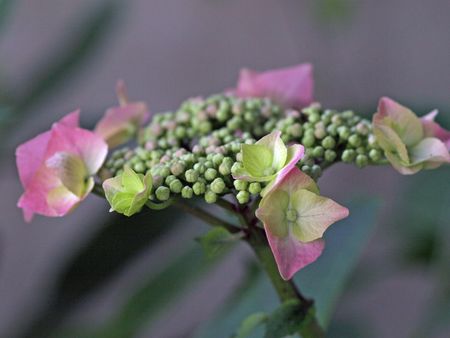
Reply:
x=195, y=150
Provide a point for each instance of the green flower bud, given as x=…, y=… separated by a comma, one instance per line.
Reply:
x=348, y=155
x=139, y=167
x=238, y=166
x=162, y=193
x=362, y=128
x=243, y=197
x=177, y=168
x=375, y=155
x=254, y=188
x=330, y=155
x=217, y=159
x=362, y=160
x=314, y=117
x=240, y=185
x=336, y=120
x=169, y=179
x=344, y=132
x=210, y=197
x=225, y=169
x=306, y=169
x=199, y=188
x=210, y=174
x=308, y=141
x=164, y=172
x=295, y=130
x=218, y=186
x=316, y=171
x=332, y=130
x=354, y=140
x=186, y=192
x=318, y=152
x=176, y=186
x=328, y=142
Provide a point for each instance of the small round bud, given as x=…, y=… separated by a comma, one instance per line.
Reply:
x=375, y=155
x=362, y=128
x=330, y=155
x=314, y=117
x=210, y=197
x=308, y=140
x=157, y=180
x=199, y=188
x=139, y=167
x=354, y=140
x=237, y=166
x=240, y=185
x=162, y=193
x=318, y=151
x=218, y=186
x=191, y=175
x=177, y=168
x=316, y=171
x=344, y=132
x=176, y=186
x=348, y=155
x=187, y=192
x=306, y=169
x=225, y=168
x=328, y=142
x=362, y=160
x=295, y=130
x=164, y=172
x=210, y=174
x=169, y=179
x=243, y=197
x=217, y=159
x=254, y=188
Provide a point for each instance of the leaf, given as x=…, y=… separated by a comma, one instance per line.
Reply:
x=216, y=241
x=250, y=323
x=286, y=320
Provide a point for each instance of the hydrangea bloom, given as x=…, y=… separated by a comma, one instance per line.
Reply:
x=410, y=143
x=56, y=167
x=295, y=217
x=290, y=86
x=128, y=192
x=268, y=159
x=120, y=124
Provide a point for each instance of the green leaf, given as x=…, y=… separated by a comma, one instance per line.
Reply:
x=250, y=323
x=216, y=241
x=286, y=320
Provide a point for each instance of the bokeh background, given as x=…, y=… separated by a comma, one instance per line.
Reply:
x=92, y=274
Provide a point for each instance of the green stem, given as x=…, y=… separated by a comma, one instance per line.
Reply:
x=286, y=290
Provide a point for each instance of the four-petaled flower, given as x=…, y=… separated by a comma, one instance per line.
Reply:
x=268, y=159
x=56, y=167
x=128, y=192
x=291, y=86
x=295, y=217
x=120, y=124
x=410, y=143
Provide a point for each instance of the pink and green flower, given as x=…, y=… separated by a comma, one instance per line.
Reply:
x=295, y=218
x=410, y=143
x=56, y=168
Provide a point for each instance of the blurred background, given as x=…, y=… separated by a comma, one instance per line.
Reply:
x=385, y=272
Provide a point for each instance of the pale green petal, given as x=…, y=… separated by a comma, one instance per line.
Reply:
x=257, y=160
x=71, y=171
x=275, y=144
x=430, y=151
x=315, y=214
x=131, y=181
x=390, y=142
x=272, y=212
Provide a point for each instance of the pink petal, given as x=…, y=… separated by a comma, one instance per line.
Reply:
x=291, y=86
x=30, y=155
x=90, y=147
x=433, y=129
x=291, y=255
